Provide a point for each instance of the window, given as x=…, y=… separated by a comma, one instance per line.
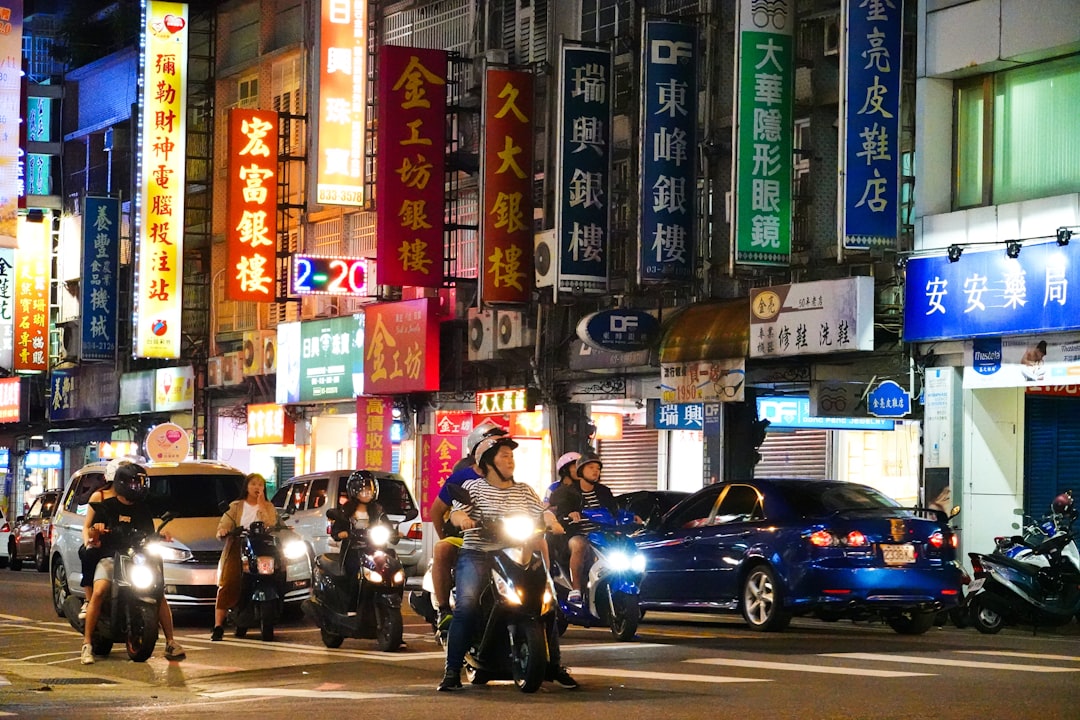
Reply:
x=1013, y=140
x=247, y=92
x=695, y=512
x=741, y=503
x=317, y=496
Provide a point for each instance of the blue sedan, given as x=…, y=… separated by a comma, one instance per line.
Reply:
x=772, y=549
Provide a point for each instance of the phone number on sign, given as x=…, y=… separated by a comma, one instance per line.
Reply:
x=341, y=195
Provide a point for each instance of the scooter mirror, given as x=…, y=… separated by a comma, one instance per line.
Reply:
x=954, y=512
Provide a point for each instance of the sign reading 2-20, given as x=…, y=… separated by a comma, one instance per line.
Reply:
x=318, y=275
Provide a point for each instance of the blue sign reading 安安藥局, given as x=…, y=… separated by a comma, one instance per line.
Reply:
x=101, y=264
x=669, y=149
x=986, y=293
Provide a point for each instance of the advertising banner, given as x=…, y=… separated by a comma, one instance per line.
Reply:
x=763, y=166
x=985, y=293
x=583, y=192
x=269, y=424
x=410, y=183
x=438, y=454
x=100, y=274
x=704, y=381
x=11, y=156
x=159, y=180
x=401, y=347
x=341, y=98
x=453, y=422
x=174, y=388
x=32, y=265
x=374, y=420
x=870, y=127
x=1022, y=361
x=10, y=398
x=506, y=247
x=331, y=358
x=7, y=308
x=251, y=222
x=667, y=246
x=812, y=318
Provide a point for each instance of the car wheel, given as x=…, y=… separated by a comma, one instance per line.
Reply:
x=41, y=558
x=60, y=590
x=911, y=622
x=14, y=562
x=763, y=601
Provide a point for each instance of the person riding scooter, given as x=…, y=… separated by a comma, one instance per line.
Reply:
x=359, y=511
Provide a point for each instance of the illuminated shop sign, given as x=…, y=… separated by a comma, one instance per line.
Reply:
x=510, y=400
x=100, y=273
x=32, y=272
x=269, y=424
x=44, y=459
x=251, y=217
x=374, y=422
x=9, y=399
x=316, y=275
x=11, y=167
x=7, y=308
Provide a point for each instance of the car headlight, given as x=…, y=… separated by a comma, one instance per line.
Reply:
x=295, y=549
x=168, y=553
x=379, y=535
x=519, y=528
x=141, y=576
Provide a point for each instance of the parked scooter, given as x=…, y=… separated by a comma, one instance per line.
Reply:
x=264, y=557
x=1007, y=590
x=130, y=614
x=364, y=605
x=610, y=598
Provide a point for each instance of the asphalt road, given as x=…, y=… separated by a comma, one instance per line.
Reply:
x=681, y=666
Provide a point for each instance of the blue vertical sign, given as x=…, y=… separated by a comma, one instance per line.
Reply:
x=101, y=260
x=583, y=221
x=871, y=131
x=666, y=243
x=62, y=402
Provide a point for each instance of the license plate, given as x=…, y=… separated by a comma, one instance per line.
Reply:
x=898, y=554
x=266, y=565
x=976, y=586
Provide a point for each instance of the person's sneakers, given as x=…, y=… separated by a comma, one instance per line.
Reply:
x=173, y=651
x=574, y=597
x=217, y=634
x=82, y=610
x=87, y=657
x=442, y=623
x=563, y=679
x=451, y=681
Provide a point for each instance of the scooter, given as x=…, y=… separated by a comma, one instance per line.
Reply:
x=264, y=557
x=364, y=605
x=130, y=614
x=611, y=595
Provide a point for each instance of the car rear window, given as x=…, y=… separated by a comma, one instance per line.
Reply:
x=810, y=499
x=193, y=495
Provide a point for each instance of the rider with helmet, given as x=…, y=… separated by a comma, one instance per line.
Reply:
x=565, y=471
x=491, y=497
x=568, y=502
x=111, y=520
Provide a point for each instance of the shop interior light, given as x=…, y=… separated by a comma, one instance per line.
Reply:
x=955, y=251
x=1012, y=249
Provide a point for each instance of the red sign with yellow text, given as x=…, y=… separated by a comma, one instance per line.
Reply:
x=268, y=424
x=409, y=186
x=251, y=213
x=401, y=347
x=506, y=249
x=438, y=455
x=341, y=95
x=32, y=265
x=453, y=422
x=374, y=449
x=9, y=400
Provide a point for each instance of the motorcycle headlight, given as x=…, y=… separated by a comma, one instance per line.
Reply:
x=373, y=576
x=295, y=549
x=519, y=528
x=506, y=590
x=168, y=553
x=141, y=576
x=399, y=577
x=619, y=561
x=379, y=535
x=637, y=563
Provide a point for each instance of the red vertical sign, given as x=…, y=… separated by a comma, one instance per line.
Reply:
x=506, y=250
x=409, y=185
x=438, y=454
x=401, y=347
x=374, y=416
x=251, y=214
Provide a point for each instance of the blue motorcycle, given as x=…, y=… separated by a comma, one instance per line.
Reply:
x=610, y=597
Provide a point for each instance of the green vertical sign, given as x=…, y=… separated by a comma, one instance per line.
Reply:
x=763, y=178
x=328, y=352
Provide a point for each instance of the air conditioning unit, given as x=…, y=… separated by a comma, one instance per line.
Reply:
x=481, y=334
x=512, y=331
x=215, y=368
x=545, y=259
x=232, y=370
x=269, y=355
x=252, y=353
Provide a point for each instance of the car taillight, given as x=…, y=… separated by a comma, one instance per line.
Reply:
x=416, y=531
x=822, y=538
x=856, y=539
x=936, y=540
x=330, y=530
x=5, y=528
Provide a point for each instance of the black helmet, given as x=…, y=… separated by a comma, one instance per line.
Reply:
x=360, y=482
x=131, y=482
x=485, y=451
x=586, y=459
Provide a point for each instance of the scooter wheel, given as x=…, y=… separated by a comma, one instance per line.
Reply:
x=984, y=619
x=331, y=640
x=240, y=632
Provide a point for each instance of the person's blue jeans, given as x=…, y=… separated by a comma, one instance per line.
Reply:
x=472, y=576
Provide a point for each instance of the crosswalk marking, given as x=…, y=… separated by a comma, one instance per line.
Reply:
x=667, y=677
x=265, y=692
x=942, y=662
x=799, y=667
x=1031, y=656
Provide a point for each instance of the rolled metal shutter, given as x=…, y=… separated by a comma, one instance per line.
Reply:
x=796, y=454
x=631, y=463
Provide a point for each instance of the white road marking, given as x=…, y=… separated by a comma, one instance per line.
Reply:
x=797, y=667
x=1032, y=656
x=946, y=662
x=265, y=692
x=667, y=677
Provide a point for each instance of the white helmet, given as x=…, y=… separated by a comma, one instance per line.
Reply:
x=486, y=429
x=564, y=461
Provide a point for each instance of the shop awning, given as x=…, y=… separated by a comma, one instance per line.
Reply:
x=713, y=330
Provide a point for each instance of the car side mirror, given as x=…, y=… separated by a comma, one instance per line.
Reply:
x=20, y=519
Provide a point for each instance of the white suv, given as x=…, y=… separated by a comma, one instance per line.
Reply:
x=196, y=493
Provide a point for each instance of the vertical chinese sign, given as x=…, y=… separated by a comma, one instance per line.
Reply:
x=7, y=308
x=763, y=165
x=506, y=247
x=412, y=162
x=870, y=125
x=11, y=156
x=251, y=217
x=159, y=192
x=341, y=97
x=10, y=400
x=666, y=249
x=32, y=265
x=401, y=347
x=438, y=454
x=374, y=417
x=584, y=181
x=100, y=271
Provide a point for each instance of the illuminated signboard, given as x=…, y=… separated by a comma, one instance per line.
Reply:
x=7, y=308
x=117, y=449
x=341, y=96
x=251, y=217
x=11, y=36
x=101, y=271
x=316, y=275
x=511, y=400
x=44, y=459
x=268, y=424
x=159, y=180
x=32, y=265
x=9, y=400
x=374, y=420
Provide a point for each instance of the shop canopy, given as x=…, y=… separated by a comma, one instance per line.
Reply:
x=713, y=330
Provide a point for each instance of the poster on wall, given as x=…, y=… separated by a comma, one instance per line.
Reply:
x=1028, y=361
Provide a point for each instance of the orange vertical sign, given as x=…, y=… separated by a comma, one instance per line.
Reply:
x=251, y=229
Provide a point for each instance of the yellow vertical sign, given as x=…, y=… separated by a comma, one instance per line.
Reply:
x=160, y=179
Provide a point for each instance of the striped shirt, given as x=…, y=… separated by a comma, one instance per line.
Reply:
x=490, y=503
